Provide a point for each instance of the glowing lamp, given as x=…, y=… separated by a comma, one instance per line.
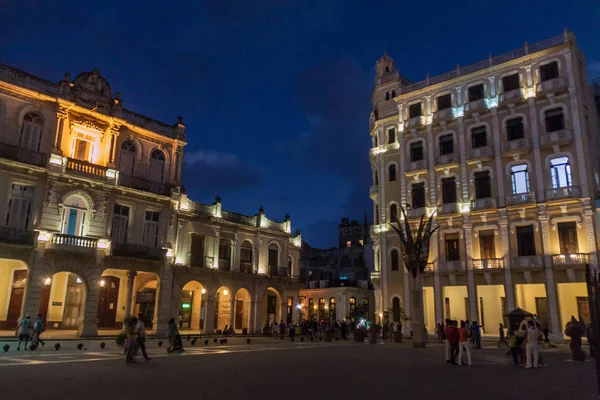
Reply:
x=203, y=291
x=78, y=280
x=102, y=283
x=55, y=159
x=103, y=244
x=225, y=292
x=48, y=281
x=179, y=261
x=169, y=252
x=43, y=236
x=299, y=306
x=380, y=315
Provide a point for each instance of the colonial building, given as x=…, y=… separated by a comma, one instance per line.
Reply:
x=96, y=227
x=506, y=152
x=337, y=279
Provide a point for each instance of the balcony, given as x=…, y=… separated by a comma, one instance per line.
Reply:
x=512, y=96
x=487, y=203
x=517, y=146
x=549, y=140
x=373, y=191
x=570, y=260
x=445, y=115
x=452, y=267
x=488, y=263
x=416, y=122
x=86, y=169
x=566, y=192
x=282, y=272
x=417, y=166
x=477, y=105
x=521, y=198
x=480, y=154
x=376, y=275
x=447, y=160
x=246, y=267
x=552, y=85
x=74, y=242
x=24, y=156
x=140, y=252
x=417, y=212
x=527, y=262
x=201, y=261
x=224, y=264
x=448, y=208
x=19, y=237
x=144, y=185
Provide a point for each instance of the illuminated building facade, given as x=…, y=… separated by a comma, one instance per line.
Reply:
x=505, y=152
x=95, y=226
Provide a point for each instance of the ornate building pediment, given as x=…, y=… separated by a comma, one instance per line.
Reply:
x=92, y=90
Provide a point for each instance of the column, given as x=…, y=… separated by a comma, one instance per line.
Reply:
x=164, y=300
x=216, y=240
x=88, y=319
x=438, y=295
x=473, y=309
x=550, y=285
x=257, y=316
x=129, y=300
x=209, y=323
x=253, y=314
x=33, y=287
x=498, y=158
x=508, y=285
x=236, y=254
x=61, y=116
x=232, y=313
x=463, y=162
x=588, y=214
x=539, y=179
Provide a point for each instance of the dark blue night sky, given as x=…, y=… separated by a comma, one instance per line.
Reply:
x=275, y=93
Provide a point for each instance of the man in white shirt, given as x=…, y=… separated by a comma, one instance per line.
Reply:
x=531, y=346
x=142, y=336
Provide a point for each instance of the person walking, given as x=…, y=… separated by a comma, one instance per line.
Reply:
x=531, y=345
x=141, y=340
x=463, y=343
x=453, y=338
x=172, y=334
x=502, y=338
x=132, y=341
x=38, y=328
x=281, y=329
x=445, y=335
x=23, y=331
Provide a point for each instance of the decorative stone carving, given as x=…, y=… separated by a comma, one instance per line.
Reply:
x=92, y=90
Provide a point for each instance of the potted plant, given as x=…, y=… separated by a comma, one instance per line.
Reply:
x=374, y=331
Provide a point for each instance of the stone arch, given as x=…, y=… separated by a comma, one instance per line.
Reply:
x=242, y=311
x=396, y=302
x=87, y=198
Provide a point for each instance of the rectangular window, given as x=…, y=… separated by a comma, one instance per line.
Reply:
x=83, y=150
x=449, y=190
x=555, y=120
x=447, y=307
x=414, y=110
x=391, y=136
x=476, y=92
x=525, y=241
x=446, y=144
x=520, y=179
x=560, y=172
x=19, y=206
x=120, y=224
x=479, y=137
x=444, y=102
x=567, y=237
x=514, y=129
x=416, y=151
x=452, y=247
x=483, y=185
x=31, y=136
x=487, y=245
x=511, y=82
x=197, y=251
x=151, y=229
x=418, y=195
x=549, y=71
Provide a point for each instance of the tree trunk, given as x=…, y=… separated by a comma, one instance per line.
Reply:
x=416, y=310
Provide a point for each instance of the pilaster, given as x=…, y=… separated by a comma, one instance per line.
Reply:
x=535, y=140
x=473, y=309
x=550, y=285
x=498, y=158
x=463, y=162
x=508, y=284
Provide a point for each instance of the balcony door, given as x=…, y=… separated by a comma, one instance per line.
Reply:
x=452, y=247
x=567, y=237
x=487, y=246
x=74, y=217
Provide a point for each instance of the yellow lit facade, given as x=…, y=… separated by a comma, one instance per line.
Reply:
x=95, y=226
x=505, y=152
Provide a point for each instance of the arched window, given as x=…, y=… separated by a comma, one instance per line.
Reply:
x=311, y=308
x=157, y=166
x=387, y=96
x=246, y=254
x=395, y=260
x=31, y=132
x=396, y=309
x=519, y=177
x=561, y=172
x=392, y=173
x=332, y=313
x=393, y=213
x=387, y=69
x=127, y=158
x=391, y=136
x=393, y=93
x=273, y=259
x=321, y=307
x=74, y=216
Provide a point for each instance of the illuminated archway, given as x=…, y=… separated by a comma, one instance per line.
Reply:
x=66, y=300
x=145, y=298
x=271, y=307
x=222, y=308
x=242, y=310
x=13, y=279
x=191, y=302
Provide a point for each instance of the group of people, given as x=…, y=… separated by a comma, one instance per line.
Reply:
x=526, y=347
x=27, y=330
x=457, y=341
x=136, y=339
x=313, y=329
x=473, y=329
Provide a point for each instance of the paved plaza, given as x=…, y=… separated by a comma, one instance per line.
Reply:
x=275, y=369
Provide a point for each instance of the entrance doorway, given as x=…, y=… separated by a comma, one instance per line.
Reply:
x=73, y=303
x=583, y=309
x=107, y=303
x=16, y=298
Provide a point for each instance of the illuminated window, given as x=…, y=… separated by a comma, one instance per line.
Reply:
x=74, y=216
x=348, y=244
x=362, y=242
x=31, y=132
x=520, y=179
x=561, y=172
x=157, y=166
x=127, y=158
